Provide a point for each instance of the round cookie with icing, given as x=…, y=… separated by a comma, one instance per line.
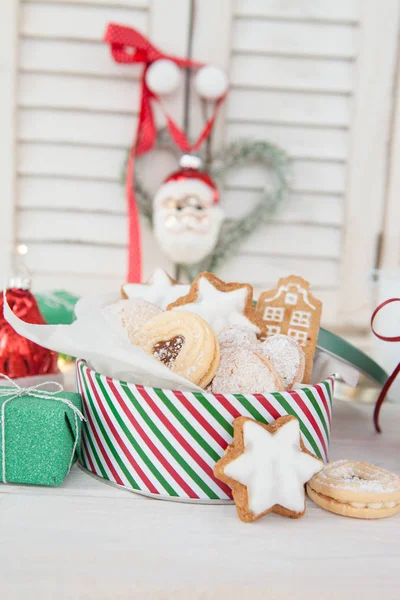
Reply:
x=242, y=370
x=287, y=356
x=356, y=489
x=184, y=342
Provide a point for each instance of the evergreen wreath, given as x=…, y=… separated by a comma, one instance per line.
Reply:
x=234, y=231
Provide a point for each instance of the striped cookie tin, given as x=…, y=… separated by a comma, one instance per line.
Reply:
x=165, y=443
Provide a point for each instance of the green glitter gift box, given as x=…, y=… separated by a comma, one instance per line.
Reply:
x=40, y=434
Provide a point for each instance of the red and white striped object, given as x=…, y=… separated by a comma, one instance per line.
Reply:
x=166, y=443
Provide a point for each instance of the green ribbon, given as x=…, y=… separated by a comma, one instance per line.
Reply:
x=338, y=347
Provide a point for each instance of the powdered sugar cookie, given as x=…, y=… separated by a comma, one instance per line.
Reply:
x=160, y=289
x=184, y=342
x=242, y=370
x=237, y=335
x=356, y=489
x=290, y=308
x=287, y=357
x=220, y=304
x=266, y=467
x=130, y=315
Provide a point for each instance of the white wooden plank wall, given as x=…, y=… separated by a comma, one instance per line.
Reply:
x=76, y=118
x=292, y=80
x=292, y=74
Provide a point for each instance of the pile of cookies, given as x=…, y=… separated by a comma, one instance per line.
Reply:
x=267, y=467
x=211, y=333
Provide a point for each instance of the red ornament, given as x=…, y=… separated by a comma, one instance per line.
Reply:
x=20, y=357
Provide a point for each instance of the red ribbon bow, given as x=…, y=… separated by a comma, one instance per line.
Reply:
x=393, y=376
x=129, y=46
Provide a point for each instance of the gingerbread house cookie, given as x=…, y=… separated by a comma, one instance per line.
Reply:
x=291, y=309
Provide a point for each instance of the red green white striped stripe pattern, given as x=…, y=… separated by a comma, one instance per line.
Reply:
x=166, y=442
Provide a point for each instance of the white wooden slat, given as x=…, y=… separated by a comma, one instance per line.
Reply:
x=339, y=10
x=61, y=194
x=265, y=271
x=79, y=93
x=260, y=271
x=143, y=4
x=55, y=125
x=294, y=39
x=299, y=208
x=76, y=22
x=283, y=239
x=288, y=107
x=298, y=141
x=76, y=127
x=307, y=176
x=292, y=73
x=367, y=174
x=93, y=260
x=72, y=57
x=8, y=61
x=94, y=196
x=76, y=161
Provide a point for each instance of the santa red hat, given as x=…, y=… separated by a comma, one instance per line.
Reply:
x=191, y=174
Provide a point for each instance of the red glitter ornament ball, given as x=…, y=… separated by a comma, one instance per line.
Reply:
x=20, y=357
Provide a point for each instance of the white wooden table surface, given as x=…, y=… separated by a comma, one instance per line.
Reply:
x=89, y=540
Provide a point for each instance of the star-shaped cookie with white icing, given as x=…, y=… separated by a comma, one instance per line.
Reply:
x=160, y=289
x=220, y=304
x=267, y=467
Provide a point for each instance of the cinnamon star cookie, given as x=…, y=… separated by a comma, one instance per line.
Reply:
x=266, y=467
x=220, y=304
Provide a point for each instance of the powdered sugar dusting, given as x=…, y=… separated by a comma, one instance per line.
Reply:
x=242, y=371
x=237, y=335
x=286, y=356
x=130, y=315
x=359, y=477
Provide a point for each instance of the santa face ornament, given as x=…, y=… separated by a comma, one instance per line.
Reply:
x=187, y=216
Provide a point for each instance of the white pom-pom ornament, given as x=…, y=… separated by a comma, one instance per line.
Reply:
x=163, y=77
x=211, y=82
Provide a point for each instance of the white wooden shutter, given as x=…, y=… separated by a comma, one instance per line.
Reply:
x=313, y=76
x=77, y=112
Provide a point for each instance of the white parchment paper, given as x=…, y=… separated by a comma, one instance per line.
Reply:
x=93, y=338
x=106, y=348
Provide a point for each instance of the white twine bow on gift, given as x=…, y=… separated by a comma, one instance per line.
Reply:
x=35, y=392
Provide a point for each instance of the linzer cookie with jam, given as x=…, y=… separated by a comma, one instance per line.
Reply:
x=184, y=342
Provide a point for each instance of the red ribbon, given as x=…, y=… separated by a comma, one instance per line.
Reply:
x=129, y=46
x=393, y=376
